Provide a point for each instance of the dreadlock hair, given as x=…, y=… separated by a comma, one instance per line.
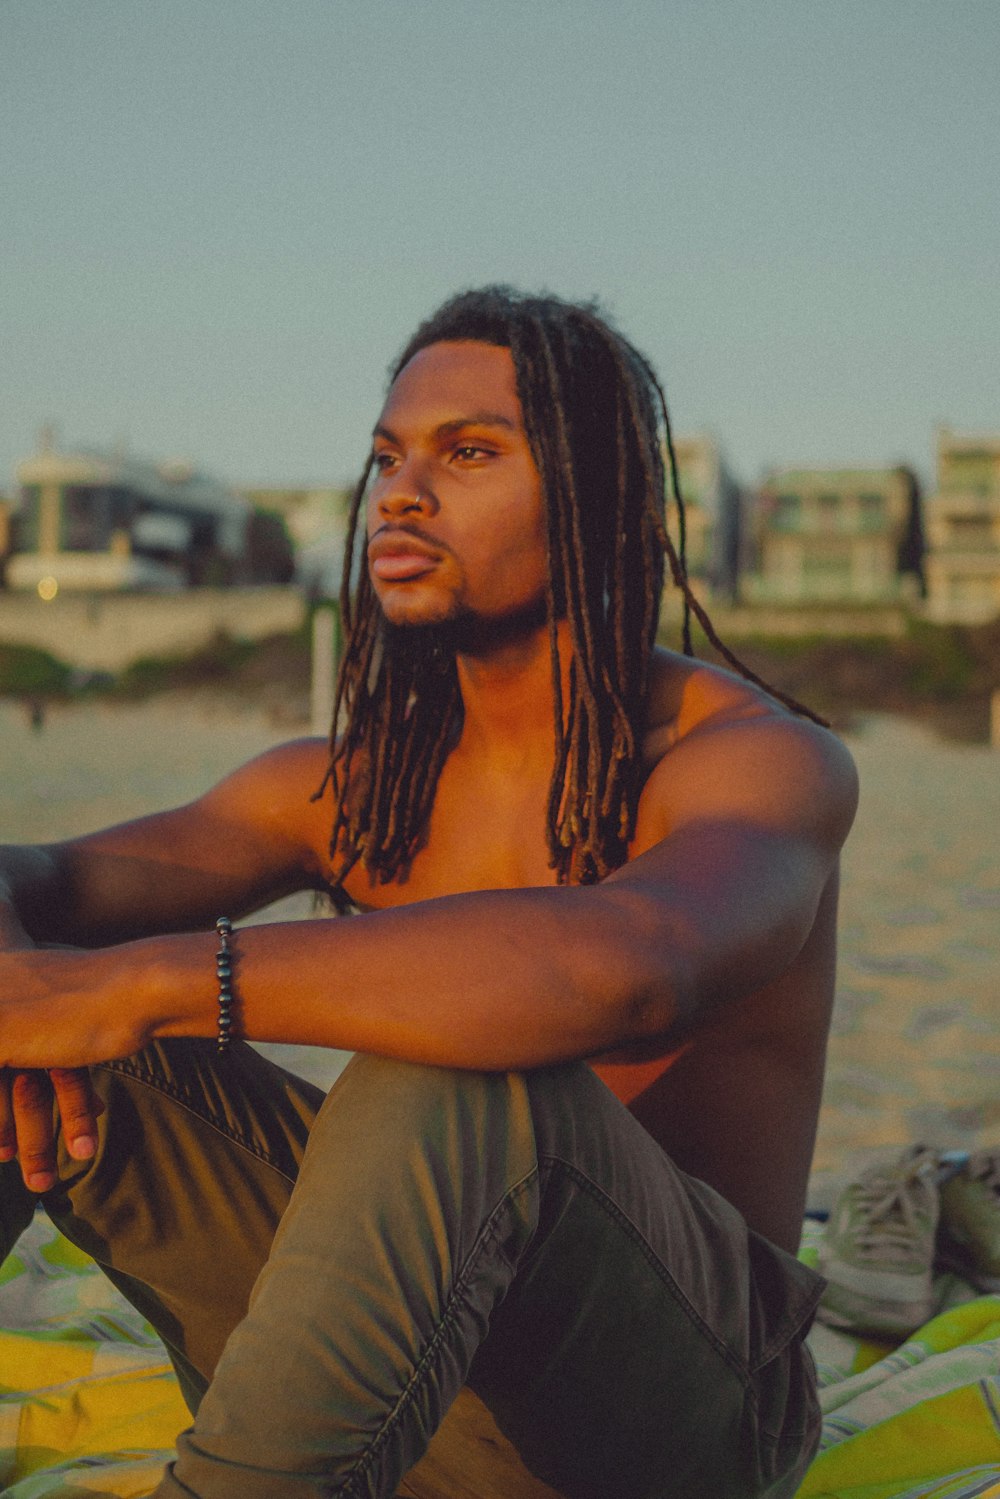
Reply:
x=596, y=420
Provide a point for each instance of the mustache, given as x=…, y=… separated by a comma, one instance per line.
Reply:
x=407, y=528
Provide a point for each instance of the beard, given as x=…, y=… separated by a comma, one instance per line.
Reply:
x=464, y=632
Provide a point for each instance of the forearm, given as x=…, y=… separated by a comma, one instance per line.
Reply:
x=491, y=979
x=498, y=979
x=29, y=888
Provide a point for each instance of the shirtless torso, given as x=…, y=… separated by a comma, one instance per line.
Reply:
x=734, y=1097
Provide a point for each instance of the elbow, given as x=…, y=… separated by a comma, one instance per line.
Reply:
x=644, y=971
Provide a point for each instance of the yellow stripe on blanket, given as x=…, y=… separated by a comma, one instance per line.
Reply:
x=924, y=1421
x=124, y=1419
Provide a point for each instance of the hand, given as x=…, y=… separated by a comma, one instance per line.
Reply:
x=28, y=1122
x=66, y=1008
x=28, y=1127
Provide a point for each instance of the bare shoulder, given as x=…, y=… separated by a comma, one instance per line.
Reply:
x=276, y=793
x=264, y=805
x=717, y=747
x=255, y=836
x=288, y=772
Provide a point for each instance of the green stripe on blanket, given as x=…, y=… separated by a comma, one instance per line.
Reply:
x=89, y=1405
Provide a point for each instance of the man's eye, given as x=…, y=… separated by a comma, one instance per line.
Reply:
x=383, y=461
x=468, y=451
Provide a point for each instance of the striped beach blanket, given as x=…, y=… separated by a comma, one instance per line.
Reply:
x=89, y=1403
x=919, y=1421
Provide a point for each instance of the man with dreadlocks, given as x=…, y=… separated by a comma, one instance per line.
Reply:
x=587, y=868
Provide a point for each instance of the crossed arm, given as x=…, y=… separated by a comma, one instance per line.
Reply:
x=739, y=829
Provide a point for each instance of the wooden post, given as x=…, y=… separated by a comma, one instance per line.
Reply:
x=323, y=677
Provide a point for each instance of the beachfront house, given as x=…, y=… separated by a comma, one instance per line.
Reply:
x=835, y=536
x=963, y=530
x=99, y=522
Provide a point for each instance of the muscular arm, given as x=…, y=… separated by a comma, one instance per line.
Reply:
x=248, y=841
x=245, y=843
x=739, y=830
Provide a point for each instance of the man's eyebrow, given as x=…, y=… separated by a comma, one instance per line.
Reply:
x=457, y=424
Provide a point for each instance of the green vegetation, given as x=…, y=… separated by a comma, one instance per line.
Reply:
x=237, y=668
x=214, y=663
x=944, y=674
x=943, y=661
x=26, y=671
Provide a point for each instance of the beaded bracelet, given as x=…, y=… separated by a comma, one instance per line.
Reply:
x=224, y=972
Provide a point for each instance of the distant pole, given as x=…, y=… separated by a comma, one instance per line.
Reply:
x=995, y=720
x=325, y=630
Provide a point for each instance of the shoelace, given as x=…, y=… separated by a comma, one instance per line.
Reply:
x=888, y=1204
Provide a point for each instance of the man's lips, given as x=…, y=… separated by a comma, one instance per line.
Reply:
x=397, y=557
x=393, y=569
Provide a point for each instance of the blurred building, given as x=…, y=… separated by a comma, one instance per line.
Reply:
x=98, y=522
x=963, y=530
x=316, y=520
x=6, y=532
x=712, y=508
x=836, y=536
x=308, y=513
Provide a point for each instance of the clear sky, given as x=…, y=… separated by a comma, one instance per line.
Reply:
x=221, y=218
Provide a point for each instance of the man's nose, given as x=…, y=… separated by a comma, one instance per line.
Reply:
x=406, y=495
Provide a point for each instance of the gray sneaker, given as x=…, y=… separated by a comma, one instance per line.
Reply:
x=970, y=1220
x=877, y=1249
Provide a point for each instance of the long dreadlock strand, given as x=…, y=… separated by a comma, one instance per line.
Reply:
x=675, y=484
x=600, y=731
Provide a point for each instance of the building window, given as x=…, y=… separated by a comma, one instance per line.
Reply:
x=85, y=519
x=787, y=512
x=972, y=531
x=28, y=518
x=826, y=576
x=829, y=511
x=872, y=508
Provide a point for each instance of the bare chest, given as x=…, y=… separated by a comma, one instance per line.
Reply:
x=484, y=834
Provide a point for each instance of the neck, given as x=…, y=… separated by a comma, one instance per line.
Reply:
x=508, y=700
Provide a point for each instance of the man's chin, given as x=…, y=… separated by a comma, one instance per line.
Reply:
x=461, y=632
x=414, y=617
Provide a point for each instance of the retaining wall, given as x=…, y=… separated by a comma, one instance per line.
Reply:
x=106, y=632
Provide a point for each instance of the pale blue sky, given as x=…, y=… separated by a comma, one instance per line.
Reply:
x=221, y=218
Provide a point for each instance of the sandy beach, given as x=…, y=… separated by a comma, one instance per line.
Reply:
x=915, y=1050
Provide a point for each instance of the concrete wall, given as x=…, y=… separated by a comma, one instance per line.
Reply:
x=105, y=632
x=789, y=620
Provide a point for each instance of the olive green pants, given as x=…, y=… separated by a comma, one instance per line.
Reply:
x=327, y=1275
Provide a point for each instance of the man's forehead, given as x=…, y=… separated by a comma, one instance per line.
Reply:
x=456, y=383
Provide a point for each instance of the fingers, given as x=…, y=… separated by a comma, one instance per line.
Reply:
x=8, y=1134
x=26, y=1120
x=79, y=1107
x=32, y=1109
